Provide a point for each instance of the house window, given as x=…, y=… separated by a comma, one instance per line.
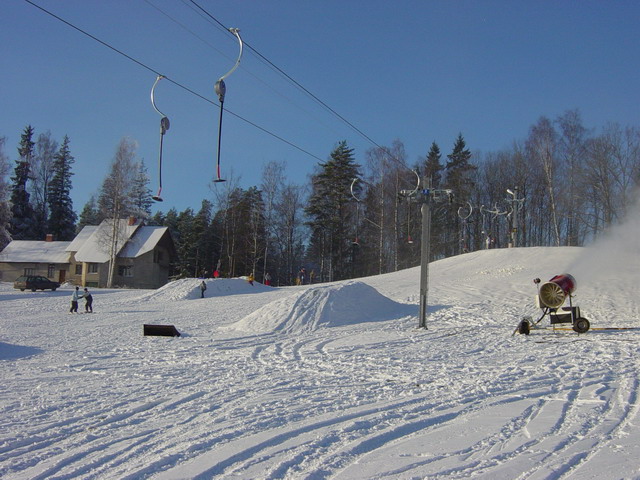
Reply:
x=125, y=271
x=78, y=269
x=93, y=268
x=51, y=271
x=29, y=271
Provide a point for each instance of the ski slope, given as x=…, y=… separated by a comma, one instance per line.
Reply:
x=330, y=381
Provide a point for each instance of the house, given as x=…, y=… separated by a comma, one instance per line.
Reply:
x=32, y=257
x=143, y=256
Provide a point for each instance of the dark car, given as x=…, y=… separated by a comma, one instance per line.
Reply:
x=35, y=282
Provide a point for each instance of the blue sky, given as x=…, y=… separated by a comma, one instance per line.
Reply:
x=416, y=71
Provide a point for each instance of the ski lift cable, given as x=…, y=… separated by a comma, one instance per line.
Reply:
x=249, y=72
x=177, y=84
x=305, y=90
x=289, y=77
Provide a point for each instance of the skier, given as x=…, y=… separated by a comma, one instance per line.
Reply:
x=74, y=300
x=303, y=274
x=267, y=279
x=203, y=287
x=88, y=301
x=250, y=279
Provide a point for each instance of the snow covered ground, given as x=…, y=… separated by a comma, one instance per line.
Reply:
x=330, y=381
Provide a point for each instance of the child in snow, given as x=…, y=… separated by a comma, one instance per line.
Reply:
x=74, y=300
x=250, y=279
x=88, y=301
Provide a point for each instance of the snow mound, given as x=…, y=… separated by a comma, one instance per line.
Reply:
x=189, y=288
x=321, y=307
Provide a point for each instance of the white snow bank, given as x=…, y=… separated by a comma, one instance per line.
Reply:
x=189, y=288
x=323, y=306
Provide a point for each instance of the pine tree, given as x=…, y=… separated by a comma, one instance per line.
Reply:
x=459, y=178
x=62, y=218
x=203, y=239
x=331, y=213
x=21, y=210
x=433, y=167
x=141, y=193
x=459, y=170
x=186, y=244
x=5, y=211
x=89, y=214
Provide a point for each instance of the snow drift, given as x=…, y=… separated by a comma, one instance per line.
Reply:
x=322, y=307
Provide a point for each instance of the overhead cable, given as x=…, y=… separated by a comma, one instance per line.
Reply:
x=147, y=67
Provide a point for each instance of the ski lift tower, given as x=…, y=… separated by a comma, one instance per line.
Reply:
x=426, y=195
x=516, y=205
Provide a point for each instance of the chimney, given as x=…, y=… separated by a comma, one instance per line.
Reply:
x=49, y=237
x=132, y=221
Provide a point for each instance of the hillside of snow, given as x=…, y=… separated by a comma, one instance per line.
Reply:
x=330, y=381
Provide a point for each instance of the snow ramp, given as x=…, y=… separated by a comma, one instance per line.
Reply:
x=322, y=307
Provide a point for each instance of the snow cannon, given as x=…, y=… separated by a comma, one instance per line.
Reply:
x=553, y=293
x=551, y=296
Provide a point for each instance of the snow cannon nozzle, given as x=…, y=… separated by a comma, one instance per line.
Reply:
x=553, y=293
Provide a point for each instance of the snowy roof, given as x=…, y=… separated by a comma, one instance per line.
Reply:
x=96, y=246
x=144, y=240
x=82, y=237
x=35, y=251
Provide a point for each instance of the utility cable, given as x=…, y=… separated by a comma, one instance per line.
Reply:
x=147, y=67
x=291, y=79
x=301, y=87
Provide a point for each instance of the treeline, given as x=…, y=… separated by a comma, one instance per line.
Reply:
x=562, y=185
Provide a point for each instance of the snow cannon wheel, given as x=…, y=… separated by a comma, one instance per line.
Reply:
x=581, y=325
x=524, y=328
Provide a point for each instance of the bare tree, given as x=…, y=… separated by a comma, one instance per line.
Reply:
x=272, y=185
x=288, y=224
x=41, y=173
x=541, y=148
x=226, y=197
x=572, y=149
x=114, y=200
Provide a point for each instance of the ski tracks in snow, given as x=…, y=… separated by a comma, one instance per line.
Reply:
x=409, y=424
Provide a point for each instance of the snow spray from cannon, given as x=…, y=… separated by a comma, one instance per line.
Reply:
x=553, y=293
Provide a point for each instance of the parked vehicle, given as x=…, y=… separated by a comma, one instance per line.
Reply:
x=34, y=282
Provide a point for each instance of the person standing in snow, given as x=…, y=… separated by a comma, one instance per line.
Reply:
x=267, y=279
x=203, y=287
x=74, y=300
x=250, y=279
x=88, y=301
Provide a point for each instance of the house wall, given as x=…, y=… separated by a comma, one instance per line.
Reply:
x=147, y=270
x=10, y=271
x=87, y=278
